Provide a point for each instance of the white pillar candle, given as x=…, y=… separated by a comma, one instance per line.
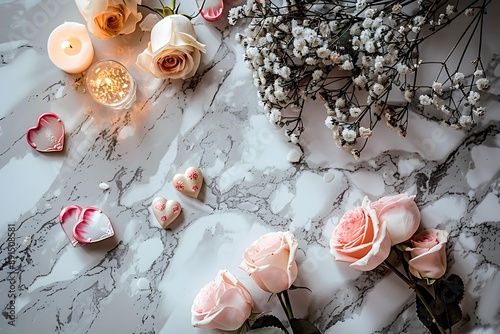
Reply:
x=70, y=48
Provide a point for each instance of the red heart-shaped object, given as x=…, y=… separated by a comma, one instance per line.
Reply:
x=48, y=134
x=85, y=225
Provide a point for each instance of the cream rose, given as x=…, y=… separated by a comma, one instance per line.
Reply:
x=225, y=303
x=270, y=261
x=360, y=238
x=108, y=18
x=173, y=52
x=428, y=254
x=401, y=215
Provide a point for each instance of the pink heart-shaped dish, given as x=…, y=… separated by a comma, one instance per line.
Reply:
x=85, y=225
x=47, y=135
x=211, y=10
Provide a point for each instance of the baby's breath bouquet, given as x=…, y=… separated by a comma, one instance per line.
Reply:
x=362, y=59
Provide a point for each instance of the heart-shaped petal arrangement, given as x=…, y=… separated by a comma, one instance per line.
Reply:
x=190, y=182
x=85, y=225
x=47, y=135
x=166, y=211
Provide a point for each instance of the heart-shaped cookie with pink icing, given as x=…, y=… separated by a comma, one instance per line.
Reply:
x=166, y=211
x=190, y=182
x=85, y=225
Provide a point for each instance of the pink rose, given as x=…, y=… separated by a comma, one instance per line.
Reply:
x=428, y=255
x=401, y=215
x=360, y=238
x=270, y=261
x=224, y=303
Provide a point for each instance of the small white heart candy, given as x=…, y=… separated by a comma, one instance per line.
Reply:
x=190, y=182
x=166, y=211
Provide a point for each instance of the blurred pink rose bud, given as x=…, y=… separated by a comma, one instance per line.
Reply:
x=428, y=255
x=225, y=303
x=360, y=238
x=270, y=261
x=401, y=215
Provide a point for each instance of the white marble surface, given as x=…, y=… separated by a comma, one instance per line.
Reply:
x=144, y=279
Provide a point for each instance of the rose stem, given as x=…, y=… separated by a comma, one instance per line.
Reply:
x=288, y=310
x=417, y=292
x=288, y=304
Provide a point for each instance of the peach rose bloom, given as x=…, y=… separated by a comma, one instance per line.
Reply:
x=174, y=52
x=270, y=261
x=108, y=18
x=401, y=215
x=428, y=255
x=225, y=303
x=360, y=238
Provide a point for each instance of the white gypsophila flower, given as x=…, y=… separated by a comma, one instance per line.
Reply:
x=274, y=116
x=349, y=135
x=340, y=103
x=365, y=35
x=369, y=13
x=367, y=23
x=285, y=72
x=469, y=12
x=347, y=65
x=360, y=81
x=465, y=120
x=377, y=23
x=415, y=29
x=401, y=30
x=360, y=4
x=370, y=46
x=317, y=74
x=339, y=115
x=473, y=97
x=445, y=109
x=409, y=95
x=354, y=111
x=478, y=73
x=403, y=69
x=329, y=122
x=312, y=61
x=396, y=9
x=377, y=88
x=355, y=29
x=323, y=52
x=436, y=101
x=458, y=77
x=482, y=83
x=364, y=132
x=479, y=111
x=437, y=87
x=450, y=10
x=425, y=100
x=294, y=138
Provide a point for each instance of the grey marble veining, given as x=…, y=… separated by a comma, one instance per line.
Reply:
x=144, y=279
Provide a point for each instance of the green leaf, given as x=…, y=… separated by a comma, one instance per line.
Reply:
x=269, y=321
x=422, y=312
x=266, y=330
x=450, y=292
x=164, y=12
x=445, y=306
x=302, y=326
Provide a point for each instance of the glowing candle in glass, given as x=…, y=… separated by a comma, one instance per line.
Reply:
x=110, y=84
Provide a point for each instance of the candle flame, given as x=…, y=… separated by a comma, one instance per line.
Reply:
x=66, y=44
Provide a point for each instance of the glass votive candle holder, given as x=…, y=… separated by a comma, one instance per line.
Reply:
x=110, y=84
